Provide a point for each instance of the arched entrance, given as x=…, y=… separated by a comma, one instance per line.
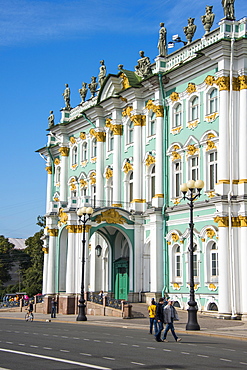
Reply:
x=115, y=262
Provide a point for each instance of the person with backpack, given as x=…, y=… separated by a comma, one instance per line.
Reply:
x=152, y=314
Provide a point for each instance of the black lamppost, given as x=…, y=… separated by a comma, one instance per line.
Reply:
x=84, y=215
x=189, y=189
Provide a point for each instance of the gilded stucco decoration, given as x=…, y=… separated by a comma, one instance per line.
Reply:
x=235, y=84
x=210, y=80
x=116, y=129
x=64, y=151
x=175, y=155
x=84, y=163
x=210, y=194
x=191, y=88
x=174, y=96
x=243, y=82
x=127, y=167
x=176, y=286
x=49, y=170
x=222, y=221
x=243, y=221
x=45, y=250
x=211, y=117
x=83, y=135
x=210, y=233
x=57, y=161
x=111, y=216
x=74, y=228
x=192, y=124
x=52, y=232
x=108, y=173
x=176, y=130
x=93, y=178
x=210, y=145
x=157, y=109
x=83, y=183
x=99, y=135
x=63, y=217
x=127, y=111
x=125, y=81
x=72, y=184
x=138, y=119
x=223, y=83
x=72, y=140
x=150, y=160
x=192, y=150
x=176, y=200
x=175, y=237
x=212, y=287
x=123, y=99
x=56, y=199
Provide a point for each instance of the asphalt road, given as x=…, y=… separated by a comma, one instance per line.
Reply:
x=51, y=345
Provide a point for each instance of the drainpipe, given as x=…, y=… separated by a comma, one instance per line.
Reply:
x=87, y=119
x=166, y=262
x=230, y=193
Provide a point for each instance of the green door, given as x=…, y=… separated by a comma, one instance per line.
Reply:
x=121, y=268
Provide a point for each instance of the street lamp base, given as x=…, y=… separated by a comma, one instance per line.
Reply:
x=81, y=311
x=192, y=323
x=81, y=318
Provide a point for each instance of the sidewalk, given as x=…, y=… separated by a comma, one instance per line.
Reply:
x=210, y=326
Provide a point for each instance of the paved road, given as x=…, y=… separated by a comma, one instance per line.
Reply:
x=50, y=345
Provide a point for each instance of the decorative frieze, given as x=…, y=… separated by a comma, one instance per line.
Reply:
x=111, y=216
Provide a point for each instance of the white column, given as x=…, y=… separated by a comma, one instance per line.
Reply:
x=64, y=174
x=45, y=267
x=138, y=253
x=223, y=150
x=224, y=273
x=70, y=272
x=117, y=130
x=86, y=267
x=156, y=252
x=242, y=132
x=51, y=273
x=49, y=186
x=243, y=270
x=100, y=135
x=139, y=121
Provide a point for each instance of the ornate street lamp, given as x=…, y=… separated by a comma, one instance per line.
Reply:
x=189, y=189
x=84, y=215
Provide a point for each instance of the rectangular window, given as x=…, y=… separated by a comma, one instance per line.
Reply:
x=194, y=168
x=195, y=265
x=212, y=170
x=177, y=179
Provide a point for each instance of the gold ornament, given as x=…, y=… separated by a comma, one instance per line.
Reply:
x=49, y=170
x=52, y=232
x=243, y=82
x=150, y=160
x=157, y=109
x=108, y=173
x=192, y=150
x=64, y=151
x=72, y=140
x=210, y=233
x=127, y=111
x=174, y=96
x=63, y=217
x=83, y=183
x=83, y=135
x=125, y=81
x=223, y=83
x=138, y=119
x=210, y=80
x=99, y=135
x=111, y=216
x=175, y=237
x=127, y=167
x=191, y=88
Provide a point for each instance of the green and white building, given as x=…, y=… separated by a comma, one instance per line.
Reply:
x=126, y=151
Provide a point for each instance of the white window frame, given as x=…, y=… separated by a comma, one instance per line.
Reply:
x=213, y=102
x=210, y=278
x=84, y=151
x=194, y=108
x=211, y=166
x=74, y=155
x=94, y=148
x=193, y=169
x=176, y=178
x=177, y=114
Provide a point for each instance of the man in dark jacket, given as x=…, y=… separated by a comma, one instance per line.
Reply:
x=159, y=319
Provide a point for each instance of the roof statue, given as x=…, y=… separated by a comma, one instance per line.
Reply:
x=228, y=7
x=83, y=91
x=51, y=119
x=208, y=19
x=102, y=73
x=162, y=45
x=190, y=30
x=66, y=96
x=143, y=68
x=93, y=86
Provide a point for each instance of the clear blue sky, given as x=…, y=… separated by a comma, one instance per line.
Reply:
x=45, y=44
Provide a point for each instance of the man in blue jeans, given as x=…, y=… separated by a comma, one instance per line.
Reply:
x=160, y=319
x=170, y=315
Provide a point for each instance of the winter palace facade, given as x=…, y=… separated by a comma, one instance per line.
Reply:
x=125, y=152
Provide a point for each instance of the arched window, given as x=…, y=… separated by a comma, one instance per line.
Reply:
x=152, y=125
x=84, y=152
x=195, y=262
x=177, y=115
x=194, y=108
x=130, y=186
x=213, y=101
x=193, y=168
x=153, y=182
x=93, y=195
x=74, y=155
x=94, y=148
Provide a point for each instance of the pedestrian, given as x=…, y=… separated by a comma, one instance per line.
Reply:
x=170, y=315
x=152, y=314
x=53, y=308
x=160, y=319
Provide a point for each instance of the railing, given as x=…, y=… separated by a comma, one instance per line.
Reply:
x=109, y=302
x=25, y=302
